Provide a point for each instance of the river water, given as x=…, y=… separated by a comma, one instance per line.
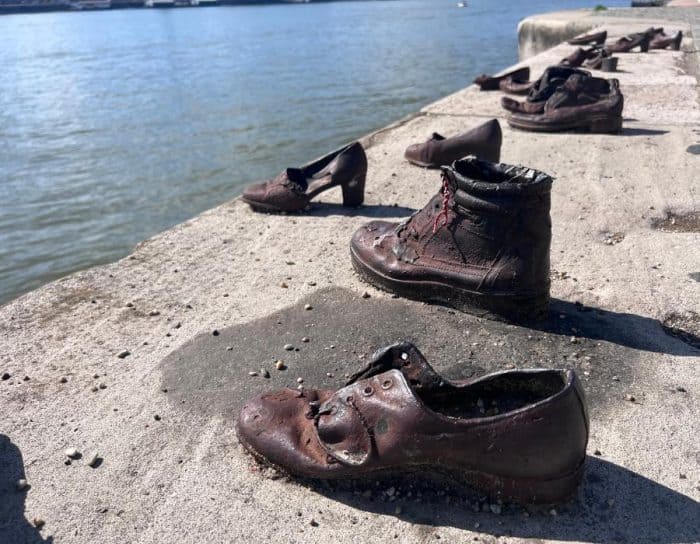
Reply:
x=115, y=125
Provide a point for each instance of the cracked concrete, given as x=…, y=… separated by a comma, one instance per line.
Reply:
x=182, y=477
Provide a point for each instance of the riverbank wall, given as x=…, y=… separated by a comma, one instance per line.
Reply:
x=143, y=363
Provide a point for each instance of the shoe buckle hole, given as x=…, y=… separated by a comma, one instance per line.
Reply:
x=367, y=391
x=404, y=356
x=349, y=398
x=386, y=384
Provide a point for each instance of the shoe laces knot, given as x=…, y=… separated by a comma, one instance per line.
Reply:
x=446, y=193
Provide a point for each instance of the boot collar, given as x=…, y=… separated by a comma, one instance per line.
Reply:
x=482, y=178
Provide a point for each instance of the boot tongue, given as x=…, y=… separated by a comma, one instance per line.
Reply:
x=406, y=358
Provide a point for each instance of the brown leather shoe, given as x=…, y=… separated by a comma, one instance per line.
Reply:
x=661, y=41
x=481, y=245
x=490, y=83
x=293, y=189
x=580, y=104
x=627, y=43
x=596, y=38
x=483, y=141
x=578, y=57
x=518, y=436
x=516, y=106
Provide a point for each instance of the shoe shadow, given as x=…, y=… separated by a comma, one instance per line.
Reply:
x=628, y=131
x=14, y=527
x=323, y=209
x=630, y=330
x=613, y=505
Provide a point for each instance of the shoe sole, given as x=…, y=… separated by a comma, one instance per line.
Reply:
x=498, y=306
x=543, y=492
x=599, y=125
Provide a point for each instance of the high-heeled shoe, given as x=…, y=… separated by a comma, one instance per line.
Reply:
x=627, y=43
x=294, y=188
x=661, y=41
x=491, y=83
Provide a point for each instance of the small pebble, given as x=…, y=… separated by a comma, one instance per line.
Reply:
x=63, y=379
x=279, y=365
x=308, y=307
x=103, y=385
x=154, y=313
x=311, y=283
x=252, y=373
x=156, y=417
x=630, y=398
x=597, y=452
x=495, y=508
x=329, y=374
x=215, y=332
x=682, y=476
x=21, y=485
x=681, y=389
x=366, y=295
x=284, y=285
x=553, y=512
x=93, y=460
x=289, y=347
x=229, y=348
x=72, y=453
x=313, y=523
x=124, y=354
x=264, y=373
x=616, y=378
x=38, y=523
x=300, y=380
x=305, y=339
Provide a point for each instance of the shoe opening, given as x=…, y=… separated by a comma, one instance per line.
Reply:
x=500, y=394
x=478, y=170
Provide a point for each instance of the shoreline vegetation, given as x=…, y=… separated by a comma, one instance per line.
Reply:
x=39, y=6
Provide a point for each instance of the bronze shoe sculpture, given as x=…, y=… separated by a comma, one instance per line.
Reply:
x=517, y=436
x=627, y=43
x=578, y=57
x=661, y=41
x=542, y=89
x=484, y=141
x=294, y=188
x=481, y=245
x=595, y=38
x=582, y=103
x=550, y=79
x=491, y=83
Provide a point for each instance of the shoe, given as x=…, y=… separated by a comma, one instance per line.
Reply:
x=517, y=436
x=481, y=245
x=582, y=103
x=294, y=188
x=578, y=57
x=542, y=89
x=490, y=83
x=483, y=141
x=513, y=86
x=516, y=106
x=661, y=41
x=596, y=61
x=627, y=43
x=597, y=38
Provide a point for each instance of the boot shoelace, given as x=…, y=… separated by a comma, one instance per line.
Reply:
x=437, y=224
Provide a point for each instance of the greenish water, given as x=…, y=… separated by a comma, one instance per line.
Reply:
x=115, y=125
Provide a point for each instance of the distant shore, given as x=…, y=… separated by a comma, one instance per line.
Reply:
x=40, y=6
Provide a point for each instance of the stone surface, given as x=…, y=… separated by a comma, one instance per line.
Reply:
x=186, y=479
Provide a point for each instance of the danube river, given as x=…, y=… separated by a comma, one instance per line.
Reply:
x=115, y=125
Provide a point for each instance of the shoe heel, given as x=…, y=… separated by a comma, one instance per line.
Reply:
x=607, y=125
x=644, y=46
x=528, y=491
x=354, y=191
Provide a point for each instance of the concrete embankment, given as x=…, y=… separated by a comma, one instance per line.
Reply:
x=145, y=361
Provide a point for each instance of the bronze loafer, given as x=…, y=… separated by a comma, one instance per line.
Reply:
x=517, y=435
x=483, y=141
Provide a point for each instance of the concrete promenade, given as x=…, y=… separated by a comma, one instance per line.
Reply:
x=144, y=362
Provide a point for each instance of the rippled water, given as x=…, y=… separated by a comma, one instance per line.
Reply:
x=115, y=125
